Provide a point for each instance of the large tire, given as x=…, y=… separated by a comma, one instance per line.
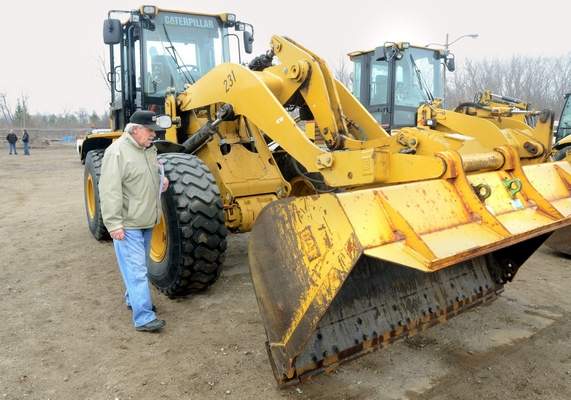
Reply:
x=91, y=176
x=187, y=247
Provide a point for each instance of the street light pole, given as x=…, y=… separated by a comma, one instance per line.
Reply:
x=446, y=46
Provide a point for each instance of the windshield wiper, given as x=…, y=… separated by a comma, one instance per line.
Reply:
x=174, y=54
x=421, y=80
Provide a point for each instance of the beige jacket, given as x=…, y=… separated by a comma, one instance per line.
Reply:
x=129, y=185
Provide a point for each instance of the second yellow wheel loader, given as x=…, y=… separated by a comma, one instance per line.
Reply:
x=358, y=238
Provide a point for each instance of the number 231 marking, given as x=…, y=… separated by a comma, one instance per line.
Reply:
x=229, y=81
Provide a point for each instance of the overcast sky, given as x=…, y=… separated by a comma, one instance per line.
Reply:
x=50, y=49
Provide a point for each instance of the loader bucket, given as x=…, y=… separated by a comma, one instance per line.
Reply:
x=342, y=274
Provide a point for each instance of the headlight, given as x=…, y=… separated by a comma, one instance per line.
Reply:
x=164, y=121
x=150, y=11
x=228, y=19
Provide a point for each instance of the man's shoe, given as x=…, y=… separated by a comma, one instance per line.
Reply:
x=154, y=308
x=152, y=326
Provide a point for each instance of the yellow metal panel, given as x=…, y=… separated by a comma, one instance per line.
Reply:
x=457, y=239
x=368, y=218
x=547, y=181
x=399, y=253
x=564, y=165
x=428, y=206
x=563, y=206
x=524, y=220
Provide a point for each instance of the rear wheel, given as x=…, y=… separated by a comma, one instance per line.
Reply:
x=91, y=176
x=188, y=244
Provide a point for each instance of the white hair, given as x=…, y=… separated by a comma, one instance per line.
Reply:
x=131, y=126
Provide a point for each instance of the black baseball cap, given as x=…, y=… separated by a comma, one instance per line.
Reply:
x=146, y=118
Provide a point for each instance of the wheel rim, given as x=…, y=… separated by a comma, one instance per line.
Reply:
x=90, y=196
x=159, y=241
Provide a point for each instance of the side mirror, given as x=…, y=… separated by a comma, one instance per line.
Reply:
x=164, y=121
x=450, y=62
x=248, y=40
x=112, y=31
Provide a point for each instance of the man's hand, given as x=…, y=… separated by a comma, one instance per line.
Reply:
x=118, y=234
x=165, y=184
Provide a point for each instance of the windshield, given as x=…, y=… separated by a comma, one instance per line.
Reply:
x=181, y=49
x=408, y=88
x=564, y=127
x=379, y=82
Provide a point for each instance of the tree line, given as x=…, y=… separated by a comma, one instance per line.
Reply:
x=18, y=116
x=540, y=81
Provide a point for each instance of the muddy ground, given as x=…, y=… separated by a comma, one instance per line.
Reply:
x=66, y=334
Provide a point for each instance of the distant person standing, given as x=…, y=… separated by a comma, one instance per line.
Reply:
x=26, y=141
x=12, y=139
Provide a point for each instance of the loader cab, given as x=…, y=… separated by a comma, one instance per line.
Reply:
x=153, y=52
x=393, y=80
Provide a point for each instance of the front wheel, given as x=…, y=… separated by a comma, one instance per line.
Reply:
x=188, y=244
x=91, y=177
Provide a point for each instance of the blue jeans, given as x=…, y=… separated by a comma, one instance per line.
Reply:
x=26, y=148
x=13, y=148
x=132, y=259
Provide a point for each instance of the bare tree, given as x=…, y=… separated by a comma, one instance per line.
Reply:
x=103, y=71
x=5, y=109
x=343, y=73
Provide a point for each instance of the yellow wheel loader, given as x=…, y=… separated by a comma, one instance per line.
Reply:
x=358, y=238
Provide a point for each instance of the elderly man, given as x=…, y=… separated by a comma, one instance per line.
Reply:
x=130, y=205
